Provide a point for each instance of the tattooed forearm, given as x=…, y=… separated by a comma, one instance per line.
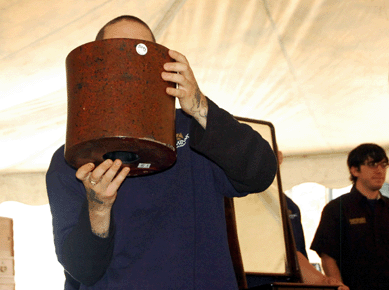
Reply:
x=99, y=214
x=200, y=108
x=204, y=111
x=99, y=217
x=197, y=102
x=197, y=98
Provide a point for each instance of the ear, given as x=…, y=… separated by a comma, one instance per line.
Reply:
x=355, y=171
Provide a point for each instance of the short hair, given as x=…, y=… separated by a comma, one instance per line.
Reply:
x=129, y=18
x=362, y=153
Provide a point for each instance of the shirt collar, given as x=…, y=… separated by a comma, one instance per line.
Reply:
x=360, y=197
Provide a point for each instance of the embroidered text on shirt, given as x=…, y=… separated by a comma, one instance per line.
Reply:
x=181, y=141
x=357, y=221
x=293, y=215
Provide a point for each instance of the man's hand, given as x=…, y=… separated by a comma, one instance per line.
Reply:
x=101, y=184
x=312, y=276
x=191, y=99
x=335, y=282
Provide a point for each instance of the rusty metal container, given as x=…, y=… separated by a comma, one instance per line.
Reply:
x=118, y=107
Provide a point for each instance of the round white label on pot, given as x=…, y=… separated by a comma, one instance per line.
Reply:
x=141, y=49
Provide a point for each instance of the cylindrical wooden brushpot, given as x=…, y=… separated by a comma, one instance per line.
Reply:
x=118, y=107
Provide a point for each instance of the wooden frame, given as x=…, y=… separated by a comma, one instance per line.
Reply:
x=250, y=231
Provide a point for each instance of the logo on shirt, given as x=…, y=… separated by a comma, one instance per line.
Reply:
x=293, y=215
x=181, y=140
x=357, y=221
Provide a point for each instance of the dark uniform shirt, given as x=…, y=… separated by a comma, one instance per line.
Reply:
x=356, y=234
x=297, y=227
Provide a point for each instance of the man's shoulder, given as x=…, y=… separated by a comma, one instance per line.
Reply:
x=58, y=162
x=339, y=201
x=292, y=206
x=60, y=151
x=58, y=156
x=346, y=197
x=385, y=199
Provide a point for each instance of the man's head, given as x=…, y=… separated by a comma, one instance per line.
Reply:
x=126, y=26
x=367, y=163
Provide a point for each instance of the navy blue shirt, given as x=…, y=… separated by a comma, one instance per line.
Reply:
x=168, y=229
x=295, y=219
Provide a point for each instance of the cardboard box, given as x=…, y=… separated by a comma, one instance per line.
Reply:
x=6, y=237
x=7, y=286
x=6, y=267
x=7, y=280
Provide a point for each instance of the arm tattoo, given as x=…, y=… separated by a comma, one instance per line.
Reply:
x=201, y=111
x=92, y=196
x=198, y=97
x=204, y=113
x=93, y=203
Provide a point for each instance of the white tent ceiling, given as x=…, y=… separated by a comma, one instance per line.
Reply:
x=316, y=69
